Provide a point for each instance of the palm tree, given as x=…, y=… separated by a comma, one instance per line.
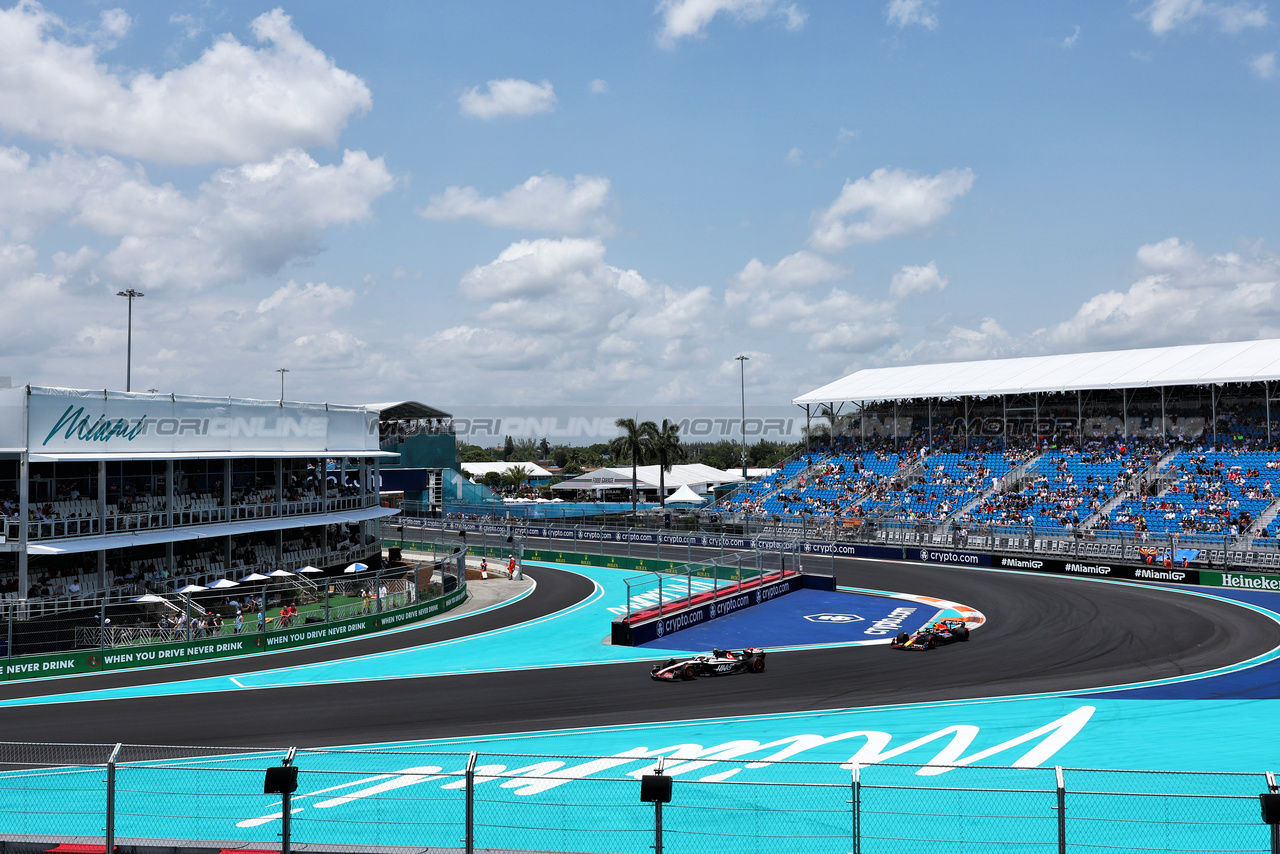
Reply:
x=634, y=443
x=516, y=475
x=666, y=446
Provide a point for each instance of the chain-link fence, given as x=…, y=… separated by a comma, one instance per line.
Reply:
x=187, y=798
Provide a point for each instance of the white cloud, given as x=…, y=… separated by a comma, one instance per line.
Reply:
x=910, y=281
x=233, y=104
x=1164, y=16
x=1070, y=41
x=542, y=203
x=986, y=339
x=795, y=157
x=683, y=19
x=557, y=305
x=508, y=97
x=837, y=322
x=904, y=13
x=116, y=23
x=895, y=202
x=798, y=270
x=311, y=300
x=599, y=87
x=1263, y=65
x=1182, y=296
x=247, y=220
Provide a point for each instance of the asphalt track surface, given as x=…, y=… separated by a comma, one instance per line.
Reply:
x=1043, y=633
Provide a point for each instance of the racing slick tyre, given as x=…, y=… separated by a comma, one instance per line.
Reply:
x=756, y=665
x=689, y=672
x=902, y=637
x=962, y=633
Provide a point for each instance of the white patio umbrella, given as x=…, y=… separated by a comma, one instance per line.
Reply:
x=187, y=591
x=310, y=569
x=254, y=576
x=223, y=583
x=150, y=598
x=356, y=567
x=279, y=573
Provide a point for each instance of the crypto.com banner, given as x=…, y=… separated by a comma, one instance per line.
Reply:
x=488, y=426
x=67, y=421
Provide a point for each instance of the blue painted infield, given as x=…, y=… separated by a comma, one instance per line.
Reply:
x=804, y=618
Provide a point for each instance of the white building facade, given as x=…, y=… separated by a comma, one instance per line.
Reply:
x=103, y=491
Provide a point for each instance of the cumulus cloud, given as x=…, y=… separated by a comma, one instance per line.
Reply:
x=599, y=87
x=558, y=305
x=1263, y=65
x=985, y=339
x=1165, y=16
x=682, y=19
x=249, y=220
x=893, y=202
x=232, y=105
x=838, y=321
x=1180, y=295
x=798, y=270
x=313, y=300
x=542, y=203
x=246, y=220
x=510, y=97
x=904, y=13
x=1070, y=41
x=910, y=281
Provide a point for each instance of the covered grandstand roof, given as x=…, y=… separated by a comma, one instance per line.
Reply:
x=1189, y=364
x=406, y=410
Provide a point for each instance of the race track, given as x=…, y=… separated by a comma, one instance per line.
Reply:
x=1043, y=634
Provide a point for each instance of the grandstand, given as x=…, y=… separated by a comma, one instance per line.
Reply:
x=105, y=496
x=1150, y=454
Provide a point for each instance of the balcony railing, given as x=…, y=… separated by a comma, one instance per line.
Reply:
x=186, y=514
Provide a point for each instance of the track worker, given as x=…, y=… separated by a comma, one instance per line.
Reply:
x=511, y=567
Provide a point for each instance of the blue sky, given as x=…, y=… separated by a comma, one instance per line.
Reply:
x=564, y=203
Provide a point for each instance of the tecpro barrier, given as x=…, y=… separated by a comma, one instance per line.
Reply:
x=624, y=633
x=247, y=643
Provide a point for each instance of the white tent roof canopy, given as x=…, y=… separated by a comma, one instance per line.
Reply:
x=1190, y=364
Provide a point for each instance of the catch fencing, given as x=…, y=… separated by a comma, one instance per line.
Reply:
x=722, y=799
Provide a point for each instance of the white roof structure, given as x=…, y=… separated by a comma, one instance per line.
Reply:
x=477, y=470
x=685, y=495
x=698, y=477
x=1189, y=364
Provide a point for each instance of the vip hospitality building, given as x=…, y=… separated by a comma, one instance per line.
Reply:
x=102, y=492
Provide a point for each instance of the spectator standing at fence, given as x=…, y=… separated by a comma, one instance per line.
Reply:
x=239, y=621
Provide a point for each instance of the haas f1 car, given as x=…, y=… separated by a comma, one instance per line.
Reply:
x=939, y=633
x=721, y=662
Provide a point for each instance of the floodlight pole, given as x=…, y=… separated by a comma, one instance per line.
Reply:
x=282, y=372
x=742, y=364
x=128, y=364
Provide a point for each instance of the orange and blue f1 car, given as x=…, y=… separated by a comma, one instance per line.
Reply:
x=937, y=633
x=721, y=662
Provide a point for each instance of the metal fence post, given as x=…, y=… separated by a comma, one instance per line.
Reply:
x=111, y=800
x=471, y=803
x=286, y=808
x=856, y=824
x=1275, y=828
x=1062, y=810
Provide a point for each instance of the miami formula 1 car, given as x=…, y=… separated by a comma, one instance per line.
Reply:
x=721, y=662
x=939, y=633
